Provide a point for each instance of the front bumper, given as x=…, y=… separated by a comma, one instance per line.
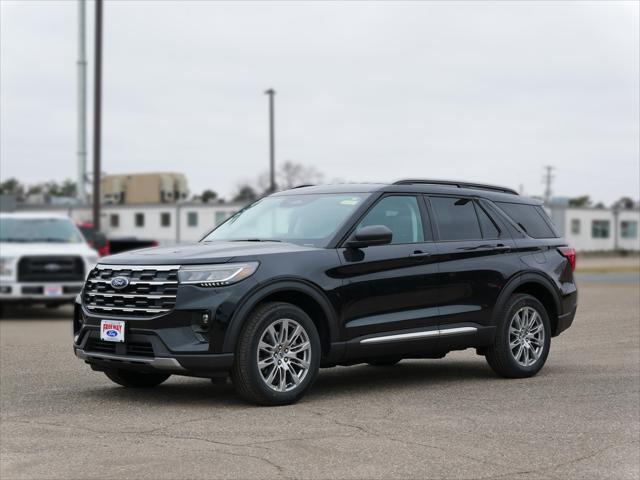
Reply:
x=174, y=342
x=146, y=352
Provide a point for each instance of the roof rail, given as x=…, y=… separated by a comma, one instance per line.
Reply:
x=303, y=186
x=453, y=183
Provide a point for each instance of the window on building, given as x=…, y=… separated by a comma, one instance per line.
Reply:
x=165, y=219
x=456, y=218
x=114, y=220
x=220, y=217
x=575, y=226
x=401, y=215
x=628, y=229
x=600, y=228
x=139, y=219
x=531, y=218
x=192, y=219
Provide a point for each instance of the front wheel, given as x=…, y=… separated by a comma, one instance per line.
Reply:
x=523, y=338
x=131, y=379
x=278, y=355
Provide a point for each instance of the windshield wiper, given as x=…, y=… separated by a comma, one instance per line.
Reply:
x=15, y=240
x=255, y=240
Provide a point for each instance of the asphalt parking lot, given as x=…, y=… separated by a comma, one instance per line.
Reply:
x=450, y=418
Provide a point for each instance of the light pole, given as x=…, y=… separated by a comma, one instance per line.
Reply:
x=81, y=192
x=97, y=116
x=272, y=141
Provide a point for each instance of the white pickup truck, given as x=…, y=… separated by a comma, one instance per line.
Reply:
x=43, y=259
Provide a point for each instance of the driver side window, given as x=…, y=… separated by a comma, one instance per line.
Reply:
x=401, y=214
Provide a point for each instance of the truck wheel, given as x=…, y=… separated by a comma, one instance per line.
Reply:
x=384, y=362
x=278, y=355
x=131, y=379
x=523, y=338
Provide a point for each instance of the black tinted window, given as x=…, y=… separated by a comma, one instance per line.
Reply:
x=456, y=218
x=489, y=229
x=529, y=219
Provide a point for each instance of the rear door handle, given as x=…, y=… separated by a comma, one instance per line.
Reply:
x=502, y=248
x=419, y=254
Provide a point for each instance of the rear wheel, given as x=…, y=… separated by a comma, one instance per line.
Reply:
x=278, y=355
x=131, y=379
x=523, y=338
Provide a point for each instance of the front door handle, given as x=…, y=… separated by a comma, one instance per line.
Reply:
x=419, y=254
x=502, y=248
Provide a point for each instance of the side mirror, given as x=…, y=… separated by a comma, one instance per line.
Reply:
x=370, y=236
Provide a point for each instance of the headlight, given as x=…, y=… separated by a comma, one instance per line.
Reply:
x=5, y=266
x=216, y=275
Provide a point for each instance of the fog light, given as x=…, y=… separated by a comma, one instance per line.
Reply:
x=205, y=319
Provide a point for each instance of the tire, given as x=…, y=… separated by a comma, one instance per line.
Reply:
x=501, y=357
x=259, y=339
x=384, y=362
x=131, y=379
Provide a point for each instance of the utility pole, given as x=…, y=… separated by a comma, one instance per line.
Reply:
x=548, y=180
x=97, y=116
x=81, y=192
x=272, y=141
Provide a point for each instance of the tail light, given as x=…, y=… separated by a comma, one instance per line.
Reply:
x=570, y=254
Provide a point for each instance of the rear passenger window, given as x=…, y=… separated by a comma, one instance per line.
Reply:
x=456, y=218
x=489, y=229
x=529, y=218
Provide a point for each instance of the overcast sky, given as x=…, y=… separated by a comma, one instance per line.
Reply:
x=486, y=92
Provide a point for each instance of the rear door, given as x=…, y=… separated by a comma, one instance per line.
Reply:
x=475, y=259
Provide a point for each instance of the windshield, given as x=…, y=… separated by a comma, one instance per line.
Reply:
x=303, y=219
x=27, y=230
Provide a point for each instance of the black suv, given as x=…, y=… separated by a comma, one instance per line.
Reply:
x=320, y=276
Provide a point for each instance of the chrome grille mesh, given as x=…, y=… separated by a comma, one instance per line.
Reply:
x=151, y=290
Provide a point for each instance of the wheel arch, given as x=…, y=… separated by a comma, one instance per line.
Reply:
x=537, y=286
x=304, y=295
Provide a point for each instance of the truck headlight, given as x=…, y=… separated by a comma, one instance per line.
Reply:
x=216, y=275
x=5, y=266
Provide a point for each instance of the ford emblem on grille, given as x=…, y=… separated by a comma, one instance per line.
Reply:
x=119, y=282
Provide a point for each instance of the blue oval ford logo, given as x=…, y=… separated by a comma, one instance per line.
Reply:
x=112, y=333
x=119, y=282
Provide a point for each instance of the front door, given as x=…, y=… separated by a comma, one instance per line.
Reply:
x=392, y=288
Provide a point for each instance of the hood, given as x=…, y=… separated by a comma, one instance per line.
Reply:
x=15, y=249
x=201, y=252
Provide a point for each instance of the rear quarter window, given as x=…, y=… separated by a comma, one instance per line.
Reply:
x=531, y=218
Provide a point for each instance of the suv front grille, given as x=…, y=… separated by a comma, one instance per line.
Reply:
x=51, y=269
x=151, y=290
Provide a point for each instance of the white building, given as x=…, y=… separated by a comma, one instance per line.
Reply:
x=165, y=223
x=598, y=229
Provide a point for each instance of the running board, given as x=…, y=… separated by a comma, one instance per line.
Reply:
x=425, y=334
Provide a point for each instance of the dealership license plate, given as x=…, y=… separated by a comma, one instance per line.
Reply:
x=112, y=330
x=53, y=290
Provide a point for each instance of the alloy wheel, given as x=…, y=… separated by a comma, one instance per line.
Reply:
x=284, y=355
x=526, y=336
